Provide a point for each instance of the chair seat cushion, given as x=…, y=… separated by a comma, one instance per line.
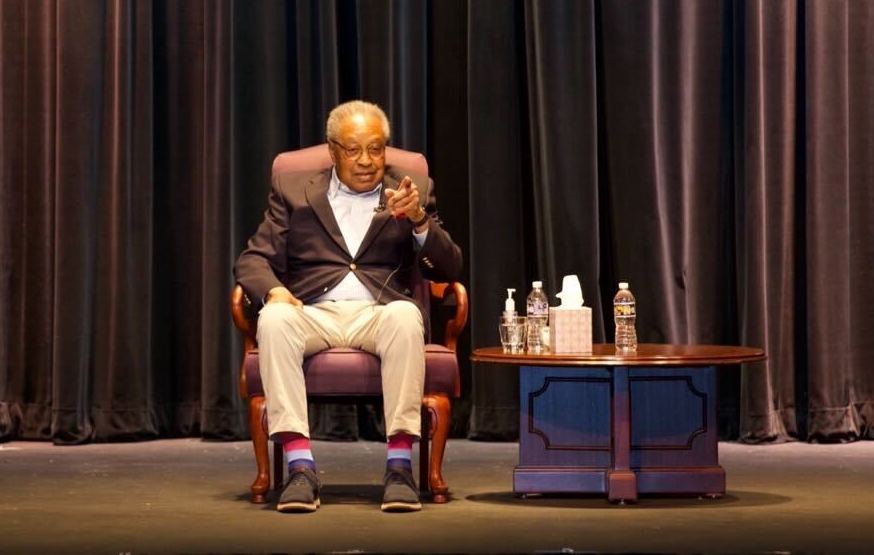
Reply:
x=350, y=372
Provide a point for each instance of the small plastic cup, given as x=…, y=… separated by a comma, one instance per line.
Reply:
x=512, y=333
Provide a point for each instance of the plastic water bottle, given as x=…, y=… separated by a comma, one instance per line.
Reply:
x=624, y=314
x=537, y=312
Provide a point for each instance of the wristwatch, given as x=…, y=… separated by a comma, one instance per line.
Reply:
x=422, y=220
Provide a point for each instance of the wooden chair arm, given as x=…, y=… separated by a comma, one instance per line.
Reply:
x=239, y=302
x=454, y=326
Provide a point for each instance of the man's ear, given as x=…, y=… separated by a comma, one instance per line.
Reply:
x=332, y=154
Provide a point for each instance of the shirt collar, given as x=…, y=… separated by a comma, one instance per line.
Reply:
x=337, y=187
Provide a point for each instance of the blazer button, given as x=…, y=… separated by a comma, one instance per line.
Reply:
x=352, y=266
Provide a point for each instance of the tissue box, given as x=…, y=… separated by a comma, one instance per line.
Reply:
x=570, y=330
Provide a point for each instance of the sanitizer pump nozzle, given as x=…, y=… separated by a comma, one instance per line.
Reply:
x=509, y=305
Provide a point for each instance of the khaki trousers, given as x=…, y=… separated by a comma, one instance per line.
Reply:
x=394, y=332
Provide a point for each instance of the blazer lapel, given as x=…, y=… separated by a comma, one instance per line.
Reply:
x=317, y=196
x=380, y=218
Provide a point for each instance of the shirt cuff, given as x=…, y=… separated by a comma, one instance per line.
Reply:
x=420, y=237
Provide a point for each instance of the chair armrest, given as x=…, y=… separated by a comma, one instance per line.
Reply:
x=454, y=326
x=239, y=303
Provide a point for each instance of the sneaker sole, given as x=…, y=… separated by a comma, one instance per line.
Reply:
x=401, y=507
x=298, y=507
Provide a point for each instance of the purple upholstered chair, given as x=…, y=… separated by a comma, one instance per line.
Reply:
x=349, y=373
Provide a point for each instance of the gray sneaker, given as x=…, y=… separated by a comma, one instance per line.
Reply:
x=400, y=494
x=301, y=493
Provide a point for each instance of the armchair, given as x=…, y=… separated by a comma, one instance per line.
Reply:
x=350, y=374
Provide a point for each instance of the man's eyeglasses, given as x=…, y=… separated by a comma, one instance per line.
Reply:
x=354, y=153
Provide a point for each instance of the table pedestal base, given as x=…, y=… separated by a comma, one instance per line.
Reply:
x=621, y=486
x=709, y=481
x=537, y=479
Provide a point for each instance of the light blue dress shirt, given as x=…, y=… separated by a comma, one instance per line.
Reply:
x=354, y=212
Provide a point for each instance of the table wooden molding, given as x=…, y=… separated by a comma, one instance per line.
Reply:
x=620, y=424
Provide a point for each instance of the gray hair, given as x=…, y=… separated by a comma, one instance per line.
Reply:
x=352, y=108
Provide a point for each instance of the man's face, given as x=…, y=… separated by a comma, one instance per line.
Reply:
x=358, y=152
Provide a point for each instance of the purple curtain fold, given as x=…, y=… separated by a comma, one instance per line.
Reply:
x=839, y=218
x=767, y=120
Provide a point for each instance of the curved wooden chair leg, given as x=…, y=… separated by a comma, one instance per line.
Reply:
x=259, y=443
x=440, y=408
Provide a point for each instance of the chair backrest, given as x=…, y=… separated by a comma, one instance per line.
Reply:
x=318, y=158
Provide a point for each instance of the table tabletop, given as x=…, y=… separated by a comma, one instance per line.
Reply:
x=648, y=354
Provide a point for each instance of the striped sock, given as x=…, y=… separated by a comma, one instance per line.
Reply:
x=297, y=450
x=400, y=450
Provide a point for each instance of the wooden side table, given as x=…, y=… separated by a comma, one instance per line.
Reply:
x=620, y=424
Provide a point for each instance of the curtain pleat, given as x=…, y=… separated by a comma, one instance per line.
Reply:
x=766, y=207
x=839, y=206
x=500, y=203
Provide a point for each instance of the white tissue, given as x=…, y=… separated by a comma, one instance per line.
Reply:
x=571, y=292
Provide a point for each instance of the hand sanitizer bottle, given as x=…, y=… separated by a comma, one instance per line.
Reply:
x=509, y=306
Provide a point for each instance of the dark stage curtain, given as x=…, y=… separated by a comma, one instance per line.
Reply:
x=137, y=139
x=717, y=155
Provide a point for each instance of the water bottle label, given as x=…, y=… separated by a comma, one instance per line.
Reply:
x=623, y=309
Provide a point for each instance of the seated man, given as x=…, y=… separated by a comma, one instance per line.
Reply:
x=332, y=262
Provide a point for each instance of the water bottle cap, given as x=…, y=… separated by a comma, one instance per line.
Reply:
x=623, y=285
x=537, y=284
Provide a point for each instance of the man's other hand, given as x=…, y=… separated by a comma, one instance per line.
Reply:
x=282, y=295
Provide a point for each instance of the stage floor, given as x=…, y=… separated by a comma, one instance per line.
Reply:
x=189, y=495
